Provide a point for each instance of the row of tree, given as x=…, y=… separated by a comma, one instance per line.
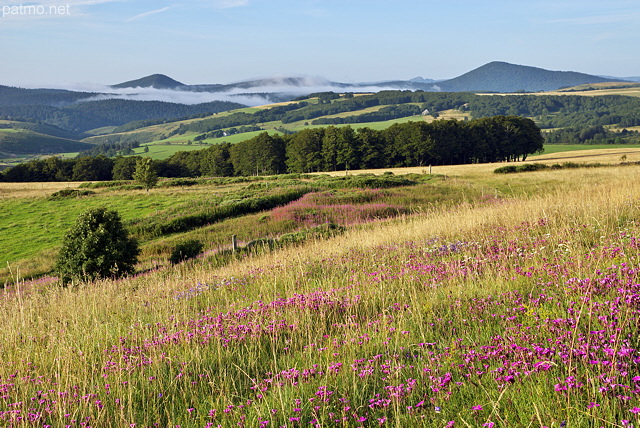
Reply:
x=500, y=138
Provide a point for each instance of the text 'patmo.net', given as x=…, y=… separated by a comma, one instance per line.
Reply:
x=36, y=10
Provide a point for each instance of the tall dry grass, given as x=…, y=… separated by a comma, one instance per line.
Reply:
x=324, y=305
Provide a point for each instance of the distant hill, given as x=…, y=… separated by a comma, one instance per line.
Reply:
x=276, y=85
x=492, y=77
x=79, y=112
x=27, y=142
x=632, y=79
x=83, y=116
x=10, y=96
x=157, y=81
x=504, y=77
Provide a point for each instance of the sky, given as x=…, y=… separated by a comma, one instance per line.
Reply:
x=80, y=43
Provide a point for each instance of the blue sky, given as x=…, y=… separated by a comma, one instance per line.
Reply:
x=220, y=41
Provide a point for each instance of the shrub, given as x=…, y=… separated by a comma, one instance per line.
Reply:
x=69, y=193
x=505, y=169
x=104, y=184
x=527, y=167
x=97, y=246
x=185, y=251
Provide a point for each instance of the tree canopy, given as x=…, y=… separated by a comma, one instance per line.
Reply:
x=97, y=246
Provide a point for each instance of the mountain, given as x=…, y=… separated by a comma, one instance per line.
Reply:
x=275, y=85
x=632, y=79
x=11, y=96
x=504, y=77
x=420, y=79
x=495, y=76
x=157, y=81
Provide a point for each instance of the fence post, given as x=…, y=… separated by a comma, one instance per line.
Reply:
x=234, y=243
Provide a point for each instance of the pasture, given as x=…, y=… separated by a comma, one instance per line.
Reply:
x=501, y=301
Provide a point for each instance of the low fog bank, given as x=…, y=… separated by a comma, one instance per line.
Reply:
x=252, y=93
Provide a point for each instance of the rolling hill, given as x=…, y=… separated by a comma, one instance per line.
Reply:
x=11, y=96
x=84, y=116
x=26, y=142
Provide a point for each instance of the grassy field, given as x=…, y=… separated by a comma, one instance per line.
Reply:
x=28, y=207
x=596, y=89
x=560, y=148
x=163, y=150
x=515, y=304
x=33, y=223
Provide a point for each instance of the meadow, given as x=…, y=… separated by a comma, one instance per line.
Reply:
x=504, y=301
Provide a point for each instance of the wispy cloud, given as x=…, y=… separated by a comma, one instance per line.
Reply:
x=71, y=3
x=599, y=19
x=227, y=4
x=149, y=13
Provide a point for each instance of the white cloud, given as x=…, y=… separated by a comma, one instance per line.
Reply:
x=151, y=12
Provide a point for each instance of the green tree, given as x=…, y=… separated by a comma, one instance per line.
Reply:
x=215, y=161
x=145, y=173
x=97, y=246
x=304, y=151
x=97, y=168
x=124, y=168
x=348, y=154
x=263, y=154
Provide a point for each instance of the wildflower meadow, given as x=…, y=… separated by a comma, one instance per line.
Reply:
x=517, y=311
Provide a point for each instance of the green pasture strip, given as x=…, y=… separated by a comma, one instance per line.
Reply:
x=163, y=151
x=559, y=148
x=29, y=226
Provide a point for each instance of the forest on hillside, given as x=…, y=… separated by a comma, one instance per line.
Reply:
x=578, y=113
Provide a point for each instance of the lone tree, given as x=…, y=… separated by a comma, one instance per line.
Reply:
x=145, y=173
x=97, y=246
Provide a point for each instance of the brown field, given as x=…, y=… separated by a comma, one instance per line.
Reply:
x=582, y=156
x=33, y=190
x=591, y=90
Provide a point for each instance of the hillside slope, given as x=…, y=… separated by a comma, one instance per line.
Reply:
x=504, y=77
x=26, y=142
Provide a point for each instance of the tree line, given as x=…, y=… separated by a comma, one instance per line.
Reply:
x=500, y=138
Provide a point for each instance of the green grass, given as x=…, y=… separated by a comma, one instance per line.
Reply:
x=22, y=141
x=44, y=222
x=163, y=151
x=515, y=312
x=559, y=148
x=101, y=131
x=31, y=228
